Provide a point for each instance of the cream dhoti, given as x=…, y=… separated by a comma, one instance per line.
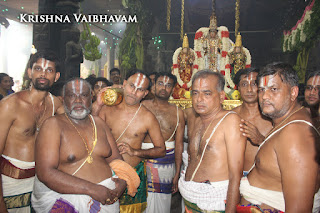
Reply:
x=47, y=200
x=271, y=198
x=160, y=173
x=207, y=196
x=17, y=184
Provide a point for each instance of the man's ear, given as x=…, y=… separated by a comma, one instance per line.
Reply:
x=294, y=93
x=30, y=73
x=222, y=96
x=146, y=93
x=124, y=83
x=57, y=76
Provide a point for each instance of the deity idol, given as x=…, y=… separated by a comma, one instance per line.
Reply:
x=183, y=69
x=238, y=58
x=212, y=46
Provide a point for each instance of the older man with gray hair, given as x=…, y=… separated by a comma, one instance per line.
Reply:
x=216, y=148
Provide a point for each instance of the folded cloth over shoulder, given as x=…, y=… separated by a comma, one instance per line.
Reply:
x=126, y=172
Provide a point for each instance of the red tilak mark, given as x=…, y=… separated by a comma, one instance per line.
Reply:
x=265, y=80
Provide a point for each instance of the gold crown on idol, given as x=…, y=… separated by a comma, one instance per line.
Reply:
x=185, y=43
x=213, y=23
x=238, y=41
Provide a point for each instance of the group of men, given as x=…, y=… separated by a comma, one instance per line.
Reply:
x=260, y=157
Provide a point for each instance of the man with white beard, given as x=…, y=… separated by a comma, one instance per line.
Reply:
x=75, y=156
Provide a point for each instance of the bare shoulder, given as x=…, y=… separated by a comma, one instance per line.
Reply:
x=14, y=101
x=147, y=103
x=99, y=121
x=53, y=123
x=146, y=112
x=57, y=102
x=297, y=133
x=190, y=113
x=237, y=109
x=232, y=118
x=106, y=109
x=181, y=112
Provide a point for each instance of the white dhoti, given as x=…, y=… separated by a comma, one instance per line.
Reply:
x=207, y=196
x=160, y=174
x=46, y=200
x=17, y=192
x=258, y=196
x=271, y=198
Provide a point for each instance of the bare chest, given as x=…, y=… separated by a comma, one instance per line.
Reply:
x=167, y=120
x=206, y=142
x=126, y=129
x=76, y=145
x=266, y=159
x=28, y=122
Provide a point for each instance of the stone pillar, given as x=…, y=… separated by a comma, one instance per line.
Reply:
x=62, y=38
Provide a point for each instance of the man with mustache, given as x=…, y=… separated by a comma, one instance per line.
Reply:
x=163, y=173
x=130, y=122
x=312, y=96
x=22, y=115
x=284, y=176
x=216, y=150
x=75, y=153
x=253, y=125
x=115, y=76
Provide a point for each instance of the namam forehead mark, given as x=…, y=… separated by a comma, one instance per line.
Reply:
x=251, y=77
x=77, y=86
x=204, y=85
x=166, y=80
x=268, y=81
x=315, y=80
x=44, y=64
x=139, y=81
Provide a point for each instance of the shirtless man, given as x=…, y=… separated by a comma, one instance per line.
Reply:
x=253, y=125
x=216, y=148
x=129, y=123
x=22, y=115
x=163, y=173
x=75, y=153
x=285, y=163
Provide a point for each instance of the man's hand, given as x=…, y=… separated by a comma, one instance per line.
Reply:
x=102, y=194
x=251, y=132
x=121, y=185
x=125, y=148
x=3, y=207
x=175, y=183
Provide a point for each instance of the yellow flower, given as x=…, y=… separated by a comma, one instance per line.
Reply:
x=187, y=95
x=235, y=95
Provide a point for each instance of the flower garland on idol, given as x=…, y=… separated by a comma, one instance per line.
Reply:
x=175, y=70
x=224, y=66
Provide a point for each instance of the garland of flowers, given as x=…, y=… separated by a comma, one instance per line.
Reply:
x=175, y=70
x=293, y=39
x=303, y=36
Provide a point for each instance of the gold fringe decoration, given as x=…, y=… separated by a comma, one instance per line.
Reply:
x=182, y=19
x=168, y=14
x=237, y=17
